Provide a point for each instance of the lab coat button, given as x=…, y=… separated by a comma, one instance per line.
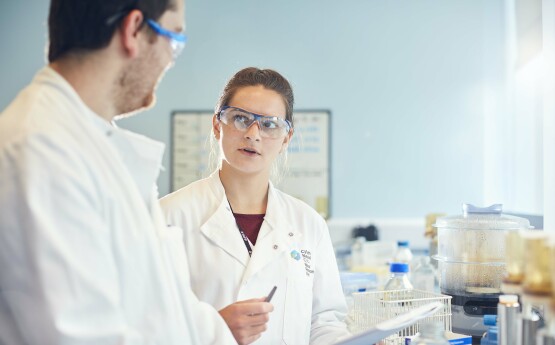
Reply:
x=275, y=246
x=108, y=133
x=291, y=234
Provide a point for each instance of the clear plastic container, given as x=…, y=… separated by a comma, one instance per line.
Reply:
x=471, y=249
x=424, y=275
x=357, y=282
x=357, y=252
x=403, y=253
x=399, y=279
x=431, y=333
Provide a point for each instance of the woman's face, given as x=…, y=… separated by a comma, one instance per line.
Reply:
x=247, y=151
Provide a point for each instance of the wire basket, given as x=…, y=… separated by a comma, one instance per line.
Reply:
x=372, y=307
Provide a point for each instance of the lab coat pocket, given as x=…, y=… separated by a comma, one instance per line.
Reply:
x=298, y=308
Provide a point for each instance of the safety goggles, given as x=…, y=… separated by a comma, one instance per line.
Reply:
x=177, y=40
x=270, y=126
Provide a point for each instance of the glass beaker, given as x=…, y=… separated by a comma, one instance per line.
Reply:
x=537, y=280
x=514, y=248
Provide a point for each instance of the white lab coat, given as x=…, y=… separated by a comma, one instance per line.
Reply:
x=85, y=255
x=293, y=251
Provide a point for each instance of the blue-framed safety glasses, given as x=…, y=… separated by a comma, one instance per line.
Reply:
x=270, y=126
x=177, y=40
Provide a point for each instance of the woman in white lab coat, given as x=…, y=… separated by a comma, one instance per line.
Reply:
x=243, y=236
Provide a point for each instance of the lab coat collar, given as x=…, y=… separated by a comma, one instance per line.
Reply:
x=141, y=156
x=277, y=237
x=275, y=216
x=221, y=229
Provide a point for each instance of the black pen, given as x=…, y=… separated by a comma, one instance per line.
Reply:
x=271, y=294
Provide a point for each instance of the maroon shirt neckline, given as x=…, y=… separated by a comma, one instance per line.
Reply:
x=250, y=224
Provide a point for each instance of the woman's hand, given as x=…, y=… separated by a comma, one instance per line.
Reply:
x=247, y=319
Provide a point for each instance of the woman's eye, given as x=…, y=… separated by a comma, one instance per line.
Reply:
x=240, y=118
x=270, y=124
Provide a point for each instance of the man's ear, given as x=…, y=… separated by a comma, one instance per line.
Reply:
x=130, y=29
x=216, y=127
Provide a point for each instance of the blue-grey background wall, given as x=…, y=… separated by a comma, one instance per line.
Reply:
x=405, y=82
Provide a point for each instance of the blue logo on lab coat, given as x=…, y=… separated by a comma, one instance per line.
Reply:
x=295, y=255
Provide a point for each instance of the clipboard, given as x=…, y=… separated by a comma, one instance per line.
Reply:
x=386, y=328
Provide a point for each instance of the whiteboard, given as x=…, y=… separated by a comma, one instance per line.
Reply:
x=307, y=175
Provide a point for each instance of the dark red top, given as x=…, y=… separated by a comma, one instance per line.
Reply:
x=250, y=224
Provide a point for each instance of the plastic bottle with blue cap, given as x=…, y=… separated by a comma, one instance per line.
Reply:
x=490, y=337
x=403, y=253
x=399, y=277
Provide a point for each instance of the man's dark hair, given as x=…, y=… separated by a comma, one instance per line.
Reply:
x=84, y=25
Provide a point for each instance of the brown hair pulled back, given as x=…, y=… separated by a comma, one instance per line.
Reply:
x=252, y=76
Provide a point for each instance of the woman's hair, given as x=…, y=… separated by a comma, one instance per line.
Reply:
x=271, y=80
x=252, y=76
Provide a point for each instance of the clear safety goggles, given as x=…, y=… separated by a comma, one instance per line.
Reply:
x=177, y=40
x=270, y=126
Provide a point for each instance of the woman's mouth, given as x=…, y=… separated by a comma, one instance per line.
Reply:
x=249, y=151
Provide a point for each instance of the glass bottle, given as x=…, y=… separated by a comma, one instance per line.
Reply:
x=431, y=333
x=357, y=250
x=399, y=279
x=423, y=276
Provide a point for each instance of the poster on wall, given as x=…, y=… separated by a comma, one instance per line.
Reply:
x=307, y=170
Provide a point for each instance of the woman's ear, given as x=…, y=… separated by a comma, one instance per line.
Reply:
x=216, y=127
x=286, y=141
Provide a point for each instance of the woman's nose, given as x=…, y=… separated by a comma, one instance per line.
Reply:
x=253, y=131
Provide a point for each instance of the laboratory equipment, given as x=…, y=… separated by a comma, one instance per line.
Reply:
x=471, y=257
x=378, y=333
x=508, y=309
x=491, y=337
x=431, y=233
x=357, y=252
x=537, y=280
x=530, y=266
x=357, y=282
x=536, y=285
x=403, y=253
x=431, y=333
x=424, y=275
x=374, y=307
x=399, y=279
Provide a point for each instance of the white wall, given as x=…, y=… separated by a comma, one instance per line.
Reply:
x=404, y=81
x=549, y=114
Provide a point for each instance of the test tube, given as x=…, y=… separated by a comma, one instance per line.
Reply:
x=508, y=320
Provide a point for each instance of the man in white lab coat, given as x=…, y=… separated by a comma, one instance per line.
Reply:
x=85, y=255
